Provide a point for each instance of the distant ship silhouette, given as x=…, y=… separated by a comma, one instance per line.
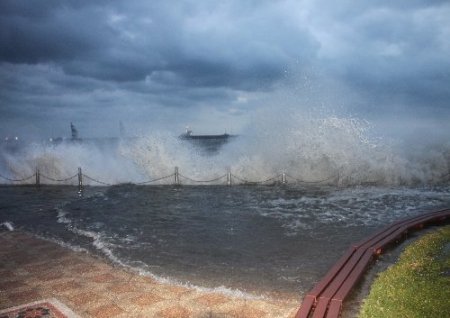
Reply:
x=189, y=136
x=206, y=144
x=210, y=144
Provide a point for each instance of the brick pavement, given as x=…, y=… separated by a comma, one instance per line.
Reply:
x=32, y=269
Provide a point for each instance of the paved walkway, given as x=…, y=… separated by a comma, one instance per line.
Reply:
x=32, y=269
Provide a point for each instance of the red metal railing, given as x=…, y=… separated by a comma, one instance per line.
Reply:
x=326, y=298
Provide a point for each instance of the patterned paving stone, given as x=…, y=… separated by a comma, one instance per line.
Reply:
x=39, y=266
x=174, y=291
x=175, y=312
x=96, y=289
x=147, y=280
x=66, y=286
x=106, y=311
x=50, y=276
x=24, y=296
x=147, y=299
x=103, y=278
x=13, y=284
x=247, y=312
x=123, y=288
x=124, y=276
x=292, y=313
x=84, y=298
x=212, y=299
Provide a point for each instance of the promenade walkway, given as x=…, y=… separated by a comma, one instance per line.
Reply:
x=33, y=270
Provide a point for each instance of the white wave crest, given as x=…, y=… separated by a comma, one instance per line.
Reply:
x=8, y=225
x=61, y=217
x=328, y=150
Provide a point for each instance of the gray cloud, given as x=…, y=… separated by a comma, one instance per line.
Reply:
x=128, y=43
x=78, y=59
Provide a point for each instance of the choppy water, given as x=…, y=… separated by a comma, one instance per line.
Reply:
x=256, y=239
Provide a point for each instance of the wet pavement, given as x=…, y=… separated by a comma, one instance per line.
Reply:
x=32, y=269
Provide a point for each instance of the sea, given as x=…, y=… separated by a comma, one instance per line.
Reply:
x=265, y=213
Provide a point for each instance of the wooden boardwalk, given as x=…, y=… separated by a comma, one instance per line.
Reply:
x=326, y=298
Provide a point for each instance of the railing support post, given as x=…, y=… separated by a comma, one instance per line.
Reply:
x=80, y=180
x=38, y=178
x=177, y=176
x=229, y=178
x=339, y=178
x=283, y=178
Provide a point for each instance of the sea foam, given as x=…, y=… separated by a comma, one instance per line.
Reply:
x=309, y=151
x=8, y=225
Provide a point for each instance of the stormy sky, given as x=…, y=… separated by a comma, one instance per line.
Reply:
x=213, y=65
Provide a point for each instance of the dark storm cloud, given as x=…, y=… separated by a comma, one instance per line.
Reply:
x=47, y=32
x=132, y=40
x=91, y=58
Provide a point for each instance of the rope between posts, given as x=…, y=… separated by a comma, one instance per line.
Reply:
x=312, y=182
x=95, y=180
x=177, y=175
x=58, y=180
x=155, y=180
x=203, y=181
x=254, y=182
x=270, y=179
x=18, y=180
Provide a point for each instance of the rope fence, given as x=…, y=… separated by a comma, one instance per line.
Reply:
x=58, y=180
x=97, y=181
x=155, y=180
x=245, y=181
x=203, y=181
x=336, y=176
x=228, y=179
x=17, y=180
x=178, y=179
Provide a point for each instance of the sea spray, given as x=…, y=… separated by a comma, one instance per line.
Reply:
x=8, y=225
x=58, y=164
x=328, y=150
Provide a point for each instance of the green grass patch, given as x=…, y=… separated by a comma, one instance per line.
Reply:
x=418, y=285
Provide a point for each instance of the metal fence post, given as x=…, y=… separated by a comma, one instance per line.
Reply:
x=177, y=177
x=228, y=178
x=38, y=177
x=80, y=180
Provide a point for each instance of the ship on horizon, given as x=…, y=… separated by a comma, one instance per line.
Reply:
x=209, y=144
x=188, y=135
